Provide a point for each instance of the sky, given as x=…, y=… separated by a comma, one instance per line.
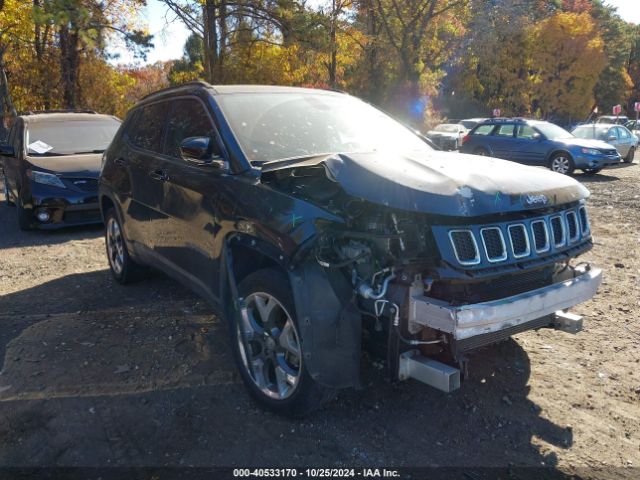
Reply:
x=170, y=34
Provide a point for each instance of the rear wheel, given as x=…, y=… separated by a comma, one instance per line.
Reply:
x=268, y=349
x=122, y=266
x=630, y=156
x=562, y=163
x=481, y=151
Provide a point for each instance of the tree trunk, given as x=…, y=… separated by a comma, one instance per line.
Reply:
x=6, y=104
x=69, y=65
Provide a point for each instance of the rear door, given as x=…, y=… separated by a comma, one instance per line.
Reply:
x=503, y=141
x=145, y=141
x=189, y=197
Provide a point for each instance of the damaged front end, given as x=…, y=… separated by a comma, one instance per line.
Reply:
x=425, y=274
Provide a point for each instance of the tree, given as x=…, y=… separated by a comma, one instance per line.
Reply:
x=567, y=56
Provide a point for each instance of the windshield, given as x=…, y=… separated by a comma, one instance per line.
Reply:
x=70, y=136
x=447, y=127
x=590, y=132
x=274, y=126
x=552, y=131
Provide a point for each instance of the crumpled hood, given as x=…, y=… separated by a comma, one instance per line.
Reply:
x=85, y=164
x=450, y=184
x=587, y=143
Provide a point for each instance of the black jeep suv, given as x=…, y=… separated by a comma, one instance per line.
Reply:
x=318, y=226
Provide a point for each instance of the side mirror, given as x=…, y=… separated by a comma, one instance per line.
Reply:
x=198, y=150
x=612, y=138
x=537, y=136
x=7, y=150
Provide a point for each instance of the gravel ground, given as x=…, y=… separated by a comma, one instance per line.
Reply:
x=97, y=374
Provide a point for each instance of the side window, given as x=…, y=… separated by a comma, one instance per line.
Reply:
x=483, y=130
x=505, y=130
x=622, y=133
x=147, y=126
x=188, y=118
x=612, y=133
x=526, y=132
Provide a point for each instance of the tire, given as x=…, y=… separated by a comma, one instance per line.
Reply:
x=277, y=379
x=481, y=151
x=562, y=163
x=591, y=171
x=630, y=156
x=123, y=268
x=24, y=216
x=5, y=188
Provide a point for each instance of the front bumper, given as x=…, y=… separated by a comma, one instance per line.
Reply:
x=65, y=207
x=600, y=161
x=467, y=321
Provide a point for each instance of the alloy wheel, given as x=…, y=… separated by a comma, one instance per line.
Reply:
x=270, y=346
x=115, y=246
x=561, y=164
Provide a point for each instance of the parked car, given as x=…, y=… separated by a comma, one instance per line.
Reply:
x=318, y=226
x=625, y=142
x=50, y=167
x=534, y=142
x=613, y=119
x=469, y=123
x=634, y=127
x=447, y=136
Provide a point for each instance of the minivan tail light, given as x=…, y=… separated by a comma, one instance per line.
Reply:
x=465, y=138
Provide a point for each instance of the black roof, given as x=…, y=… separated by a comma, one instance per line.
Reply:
x=192, y=87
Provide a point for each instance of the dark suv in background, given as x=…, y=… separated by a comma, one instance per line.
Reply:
x=317, y=225
x=50, y=165
x=539, y=143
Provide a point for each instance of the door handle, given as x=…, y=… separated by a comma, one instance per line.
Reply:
x=159, y=175
x=120, y=162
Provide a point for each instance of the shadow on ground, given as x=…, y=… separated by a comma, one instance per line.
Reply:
x=97, y=374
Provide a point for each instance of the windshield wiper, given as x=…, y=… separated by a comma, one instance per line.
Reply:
x=99, y=150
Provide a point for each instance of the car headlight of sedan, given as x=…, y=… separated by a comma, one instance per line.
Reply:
x=45, y=178
x=591, y=151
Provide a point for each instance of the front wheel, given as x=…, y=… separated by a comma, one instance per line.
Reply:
x=268, y=349
x=122, y=266
x=562, y=163
x=630, y=156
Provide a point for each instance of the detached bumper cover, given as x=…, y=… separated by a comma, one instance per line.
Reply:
x=467, y=321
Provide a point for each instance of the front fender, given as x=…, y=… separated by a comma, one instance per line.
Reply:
x=329, y=324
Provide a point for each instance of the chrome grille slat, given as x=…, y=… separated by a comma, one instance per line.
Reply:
x=493, y=243
x=584, y=221
x=465, y=247
x=572, y=226
x=520, y=246
x=559, y=231
x=540, y=236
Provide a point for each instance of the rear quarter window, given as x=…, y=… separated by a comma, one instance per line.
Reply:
x=483, y=130
x=147, y=126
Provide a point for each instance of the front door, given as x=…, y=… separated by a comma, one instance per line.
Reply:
x=190, y=197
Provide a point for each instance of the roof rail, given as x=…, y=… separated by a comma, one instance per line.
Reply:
x=195, y=83
x=38, y=112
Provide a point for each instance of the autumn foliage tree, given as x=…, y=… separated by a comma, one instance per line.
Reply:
x=566, y=59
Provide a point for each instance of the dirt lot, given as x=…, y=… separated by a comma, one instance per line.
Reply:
x=96, y=374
